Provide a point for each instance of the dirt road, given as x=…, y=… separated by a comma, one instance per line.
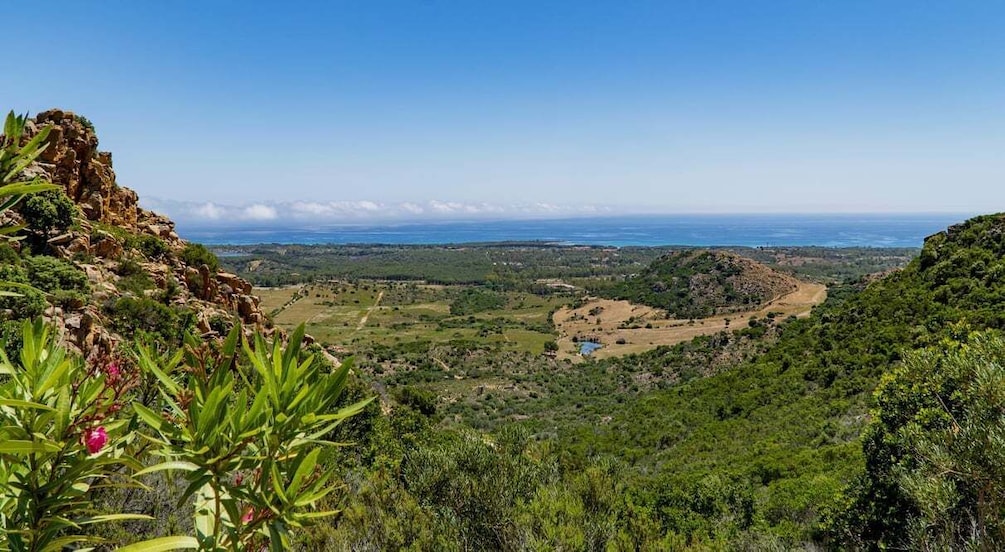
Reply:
x=369, y=311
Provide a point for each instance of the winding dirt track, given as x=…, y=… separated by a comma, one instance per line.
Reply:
x=604, y=326
x=369, y=311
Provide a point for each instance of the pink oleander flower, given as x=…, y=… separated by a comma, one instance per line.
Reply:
x=249, y=515
x=95, y=439
x=112, y=372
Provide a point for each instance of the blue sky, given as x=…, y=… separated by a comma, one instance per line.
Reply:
x=345, y=110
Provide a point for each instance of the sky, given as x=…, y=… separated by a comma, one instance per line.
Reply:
x=370, y=109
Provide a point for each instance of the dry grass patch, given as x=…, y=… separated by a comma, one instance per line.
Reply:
x=624, y=328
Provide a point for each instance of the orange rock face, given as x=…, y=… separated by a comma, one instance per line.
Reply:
x=71, y=158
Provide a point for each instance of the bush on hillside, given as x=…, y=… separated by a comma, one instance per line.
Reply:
x=152, y=247
x=51, y=274
x=47, y=213
x=8, y=255
x=146, y=316
x=27, y=303
x=196, y=255
x=935, y=464
x=474, y=300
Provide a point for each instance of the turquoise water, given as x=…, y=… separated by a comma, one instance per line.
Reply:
x=697, y=230
x=587, y=347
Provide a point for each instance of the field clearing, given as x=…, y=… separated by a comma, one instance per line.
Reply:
x=357, y=315
x=391, y=313
x=641, y=328
x=275, y=298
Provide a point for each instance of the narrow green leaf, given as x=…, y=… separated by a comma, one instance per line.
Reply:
x=63, y=543
x=176, y=465
x=149, y=416
x=25, y=404
x=104, y=518
x=305, y=468
x=24, y=188
x=277, y=484
x=148, y=364
x=162, y=544
x=27, y=447
x=194, y=486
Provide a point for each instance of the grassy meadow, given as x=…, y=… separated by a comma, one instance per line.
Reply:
x=352, y=315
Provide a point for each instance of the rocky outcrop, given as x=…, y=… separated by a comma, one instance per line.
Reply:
x=113, y=227
x=71, y=158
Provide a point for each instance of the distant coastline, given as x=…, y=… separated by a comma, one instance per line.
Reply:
x=838, y=230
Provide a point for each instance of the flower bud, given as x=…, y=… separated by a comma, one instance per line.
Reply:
x=95, y=439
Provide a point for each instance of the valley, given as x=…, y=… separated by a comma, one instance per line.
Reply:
x=506, y=347
x=735, y=398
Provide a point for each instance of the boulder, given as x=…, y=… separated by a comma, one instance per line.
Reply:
x=238, y=284
x=106, y=245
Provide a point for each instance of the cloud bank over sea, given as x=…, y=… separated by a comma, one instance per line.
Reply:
x=284, y=213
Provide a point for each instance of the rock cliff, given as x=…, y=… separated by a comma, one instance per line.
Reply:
x=112, y=229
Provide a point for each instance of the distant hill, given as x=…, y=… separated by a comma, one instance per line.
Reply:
x=701, y=283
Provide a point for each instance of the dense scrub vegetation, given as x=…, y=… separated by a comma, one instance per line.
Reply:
x=520, y=264
x=764, y=452
x=787, y=424
x=474, y=300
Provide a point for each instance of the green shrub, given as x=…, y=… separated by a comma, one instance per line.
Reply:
x=134, y=279
x=10, y=337
x=143, y=315
x=935, y=464
x=72, y=431
x=474, y=300
x=152, y=247
x=46, y=213
x=28, y=303
x=8, y=255
x=221, y=324
x=421, y=400
x=51, y=274
x=197, y=255
x=137, y=284
x=85, y=122
x=129, y=267
x=170, y=291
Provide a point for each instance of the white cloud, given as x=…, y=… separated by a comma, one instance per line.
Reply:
x=362, y=211
x=259, y=212
x=209, y=210
x=310, y=208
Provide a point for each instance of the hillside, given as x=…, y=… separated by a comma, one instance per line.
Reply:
x=107, y=268
x=787, y=424
x=701, y=283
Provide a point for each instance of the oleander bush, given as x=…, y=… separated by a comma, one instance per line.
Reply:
x=244, y=423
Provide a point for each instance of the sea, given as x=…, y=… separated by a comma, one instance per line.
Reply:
x=831, y=230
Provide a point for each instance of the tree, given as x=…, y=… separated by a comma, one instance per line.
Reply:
x=47, y=213
x=935, y=451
